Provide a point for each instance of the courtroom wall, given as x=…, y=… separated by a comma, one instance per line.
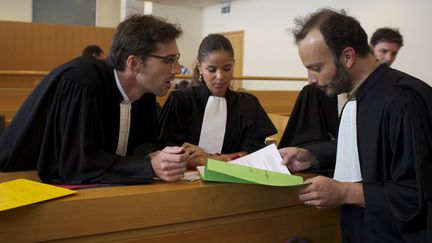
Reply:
x=270, y=50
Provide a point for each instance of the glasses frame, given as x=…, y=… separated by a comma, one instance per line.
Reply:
x=173, y=60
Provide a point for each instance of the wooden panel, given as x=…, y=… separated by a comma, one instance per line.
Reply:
x=280, y=122
x=18, y=81
x=12, y=98
x=170, y=212
x=281, y=102
x=37, y=46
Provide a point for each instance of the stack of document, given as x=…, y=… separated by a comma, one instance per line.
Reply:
x=261, y=167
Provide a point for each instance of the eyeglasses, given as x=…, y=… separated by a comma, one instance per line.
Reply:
x=171, y=60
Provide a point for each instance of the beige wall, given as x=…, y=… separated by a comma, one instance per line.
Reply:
x=16, y=10
x=269, y=46
x=190, y=20
x=107, y=13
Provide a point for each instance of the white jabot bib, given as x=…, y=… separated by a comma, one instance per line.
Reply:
x=125, y=117
x=347, y=158
x=213, y=125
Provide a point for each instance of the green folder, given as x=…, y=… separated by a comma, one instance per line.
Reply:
x=227, y=172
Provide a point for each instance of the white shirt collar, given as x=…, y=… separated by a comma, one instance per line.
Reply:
x=123, y=93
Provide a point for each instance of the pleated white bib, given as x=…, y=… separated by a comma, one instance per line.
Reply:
x=125, y=117
x=213, y=125
x=347, y=158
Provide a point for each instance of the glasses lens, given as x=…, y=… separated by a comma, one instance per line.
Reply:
x=175, y=60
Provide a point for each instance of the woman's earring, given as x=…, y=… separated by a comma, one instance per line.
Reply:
x=200, y=79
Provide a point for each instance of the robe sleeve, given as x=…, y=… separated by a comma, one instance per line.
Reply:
x=325, y=153
x=260, y=125
x=74, y=150
x=172, y=121
x=399, y=195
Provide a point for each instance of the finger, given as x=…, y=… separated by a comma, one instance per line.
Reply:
x=168, y=168
x=186, y=144
x=174, y=150
x=197, y=154
x=307, y=188
x=309, y=203
x=173, y=172
x=176, y=158
x=290, y=167
x=289, y=158
x=282, y=151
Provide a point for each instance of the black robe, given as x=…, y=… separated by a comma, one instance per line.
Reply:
x=2, y=124
x=314, y=119
x=68, y=128
x=247, y=123
x=394, y=137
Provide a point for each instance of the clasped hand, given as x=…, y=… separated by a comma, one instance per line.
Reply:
x=169, y=164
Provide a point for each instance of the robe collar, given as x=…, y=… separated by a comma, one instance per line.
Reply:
x=371, y=81
x=120, y=88
x=352, y=94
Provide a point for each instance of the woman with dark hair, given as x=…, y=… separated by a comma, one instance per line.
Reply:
x=210, y=119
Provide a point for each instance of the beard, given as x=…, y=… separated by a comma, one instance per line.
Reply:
x=341, y=81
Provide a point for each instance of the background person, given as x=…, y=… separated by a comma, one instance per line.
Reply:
x=386, y=43
x=92, y=51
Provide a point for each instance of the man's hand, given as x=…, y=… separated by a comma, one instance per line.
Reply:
x=324, y=192
x=170, y=163
x=297, y=159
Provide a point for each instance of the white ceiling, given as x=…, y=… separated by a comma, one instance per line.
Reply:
x=190, y=3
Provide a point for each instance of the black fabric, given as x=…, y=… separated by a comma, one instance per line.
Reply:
x=2, y=124
x=394, y=114
x=313, y=124
x=247, y=123
x=68, y=127
x=314, y=119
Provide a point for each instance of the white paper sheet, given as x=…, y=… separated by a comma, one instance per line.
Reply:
x=267, y=158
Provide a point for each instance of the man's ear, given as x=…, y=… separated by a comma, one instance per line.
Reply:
x=133, y=63
x=348, y=57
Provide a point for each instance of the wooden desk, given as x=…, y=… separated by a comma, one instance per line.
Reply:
x=170, y=212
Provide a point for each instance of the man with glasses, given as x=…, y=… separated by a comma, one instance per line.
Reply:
x=94, y=121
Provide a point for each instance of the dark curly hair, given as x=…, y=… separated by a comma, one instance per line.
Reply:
x=211, y=43
x=339, y=31
x=91, y=50
x=138, y=35
x=387, y=35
